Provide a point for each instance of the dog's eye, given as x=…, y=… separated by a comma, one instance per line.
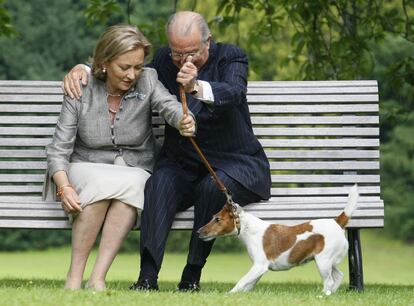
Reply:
x=217, y=219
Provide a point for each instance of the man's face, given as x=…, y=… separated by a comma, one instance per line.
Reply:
x=184, y=46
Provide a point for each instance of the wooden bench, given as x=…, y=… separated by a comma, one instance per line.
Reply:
x=321, y=137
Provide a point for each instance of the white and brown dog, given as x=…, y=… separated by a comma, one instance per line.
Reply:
x=280, y=247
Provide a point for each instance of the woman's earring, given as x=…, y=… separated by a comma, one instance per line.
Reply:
x=104, y=70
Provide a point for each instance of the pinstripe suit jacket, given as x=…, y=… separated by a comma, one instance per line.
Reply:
x=224, y=130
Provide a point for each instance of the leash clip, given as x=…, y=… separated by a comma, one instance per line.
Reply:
x=229, y=198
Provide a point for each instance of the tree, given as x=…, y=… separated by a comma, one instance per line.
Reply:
x=6, y=28
x=50, y=39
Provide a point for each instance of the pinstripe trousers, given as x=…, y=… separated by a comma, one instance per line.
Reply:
x=174, y=188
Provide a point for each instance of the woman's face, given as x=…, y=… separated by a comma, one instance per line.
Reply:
x=123, y=71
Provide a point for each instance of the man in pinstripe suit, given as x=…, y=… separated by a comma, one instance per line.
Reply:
x=214, y=75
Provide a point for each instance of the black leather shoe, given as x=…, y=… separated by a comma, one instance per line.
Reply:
x=187, y=286
x=144, y=285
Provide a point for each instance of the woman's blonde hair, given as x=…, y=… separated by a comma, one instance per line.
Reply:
x=115, y=41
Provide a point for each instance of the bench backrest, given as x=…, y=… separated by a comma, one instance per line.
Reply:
x=320, y=138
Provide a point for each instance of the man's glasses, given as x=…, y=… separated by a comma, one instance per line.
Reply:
x=183, y=55
x=177, y=56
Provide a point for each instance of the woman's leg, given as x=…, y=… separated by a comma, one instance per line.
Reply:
x=118, y=222
x=85, y=228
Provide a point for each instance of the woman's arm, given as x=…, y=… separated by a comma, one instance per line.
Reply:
x=59, y=151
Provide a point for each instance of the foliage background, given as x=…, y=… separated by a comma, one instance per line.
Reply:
x=284, y=39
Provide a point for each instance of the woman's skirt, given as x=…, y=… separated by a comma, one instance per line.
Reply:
x=97, y=181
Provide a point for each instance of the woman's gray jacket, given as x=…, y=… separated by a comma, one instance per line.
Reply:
x=83, y=131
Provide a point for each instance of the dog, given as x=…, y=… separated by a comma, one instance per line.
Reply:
x=280, y=247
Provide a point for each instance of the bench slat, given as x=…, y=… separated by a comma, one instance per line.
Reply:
x=322, y=154
x=280, y=213
x=51, y=98
x=291, y=154
x=320, y=178
x=317, y=165
x=24, y=83
x=30, y=108
x=294, y=90
x=312, y=143
x=40, y=153
x=29, y=120
x=21, y=189
x=336, y=165
x=313, y=131
x=303, y=108
x=308, y=191
x=274, y=143
x=283, y=84
x=183, y=225
x=30, y=90
x=31, y=98
x=349, y=131
x=23, y=165
x=353, y=223
x=311, y=98
x=289, y=120
x=21, y=178
x=27, y=142
x=256, y=120
x=364, y=203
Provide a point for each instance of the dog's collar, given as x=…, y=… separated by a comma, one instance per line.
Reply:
x=236, y=219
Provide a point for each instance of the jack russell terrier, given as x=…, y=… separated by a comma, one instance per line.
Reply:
x=280, y=247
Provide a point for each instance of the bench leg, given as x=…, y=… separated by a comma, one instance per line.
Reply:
x=356, y=277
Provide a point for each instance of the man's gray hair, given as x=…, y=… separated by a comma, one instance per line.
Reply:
x=186, y=21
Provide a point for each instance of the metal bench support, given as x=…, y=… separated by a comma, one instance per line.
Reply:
x=356, y=275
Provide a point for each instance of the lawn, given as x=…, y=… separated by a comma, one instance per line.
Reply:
x=36, y=278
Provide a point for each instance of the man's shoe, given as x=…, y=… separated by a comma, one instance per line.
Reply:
x=144, y=285
x=187, y=286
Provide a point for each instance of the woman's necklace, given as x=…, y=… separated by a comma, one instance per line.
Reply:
x=112, y=111
x=112, y=95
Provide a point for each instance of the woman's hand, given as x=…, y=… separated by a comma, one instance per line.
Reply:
x=187, y=126
x=70, y=200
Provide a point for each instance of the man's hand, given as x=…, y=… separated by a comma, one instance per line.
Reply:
x=71, y=85
x=187, y=126
x=187, y=75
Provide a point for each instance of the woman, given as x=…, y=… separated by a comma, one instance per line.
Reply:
x=102, y=151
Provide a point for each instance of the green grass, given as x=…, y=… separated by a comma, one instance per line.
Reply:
x=37, y=278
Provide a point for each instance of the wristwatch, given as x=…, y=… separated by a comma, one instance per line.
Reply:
x=196, y=88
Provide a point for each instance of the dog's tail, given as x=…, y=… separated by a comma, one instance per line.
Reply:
x=346, y=214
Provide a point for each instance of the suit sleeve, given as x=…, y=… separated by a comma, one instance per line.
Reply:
x=231, y=88
x=164, y=102
x=59, y=151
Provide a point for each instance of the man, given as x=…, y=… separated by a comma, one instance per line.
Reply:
x=214, y=77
